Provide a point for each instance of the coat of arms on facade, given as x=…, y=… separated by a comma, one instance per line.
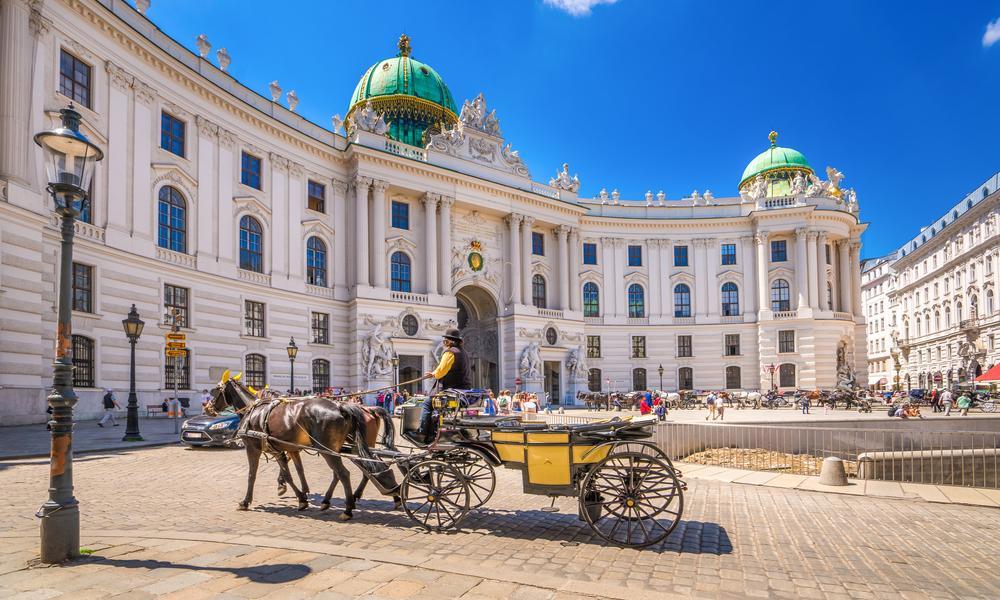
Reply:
x=475, y=257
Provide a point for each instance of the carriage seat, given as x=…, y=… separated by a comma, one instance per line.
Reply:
x=488, y=422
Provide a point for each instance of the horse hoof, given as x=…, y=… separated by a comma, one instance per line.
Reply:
x=397, y=505
x=242, y=506
x=344, y=516
x=324, y=506
x=303, y=505
x=281, y=490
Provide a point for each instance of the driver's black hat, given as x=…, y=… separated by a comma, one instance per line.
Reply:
x=453, y=335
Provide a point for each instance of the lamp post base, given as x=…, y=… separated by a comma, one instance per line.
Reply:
x=60, y=531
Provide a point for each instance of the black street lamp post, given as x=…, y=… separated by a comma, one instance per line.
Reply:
x=69, y=165
x=770, y=369
x=293, y=351
x=133, y=329
x=395, y=372
x=660, y=371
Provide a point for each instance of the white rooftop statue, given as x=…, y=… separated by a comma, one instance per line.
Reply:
x=203, y=45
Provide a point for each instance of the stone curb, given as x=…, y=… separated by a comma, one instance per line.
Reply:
x=121, y=446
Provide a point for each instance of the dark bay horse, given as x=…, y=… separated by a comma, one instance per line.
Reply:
x=295, y=424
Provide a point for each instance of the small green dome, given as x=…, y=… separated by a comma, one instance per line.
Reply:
x=409, y=94
x=775, y=159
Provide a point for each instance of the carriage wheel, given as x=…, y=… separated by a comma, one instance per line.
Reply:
x=632, y=499
x=435, y=495
x=479, y=475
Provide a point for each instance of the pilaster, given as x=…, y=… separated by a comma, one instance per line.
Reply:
x=361, y=185
x=513, y=221
x=526, y=224
x=444, y=251
x=208, y=134
x=430, y=202
x=378, y=225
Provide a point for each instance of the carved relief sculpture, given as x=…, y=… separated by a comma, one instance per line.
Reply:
x=563, y=181
x=531, y=361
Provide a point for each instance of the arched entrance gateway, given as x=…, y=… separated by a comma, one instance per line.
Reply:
x=477, y=320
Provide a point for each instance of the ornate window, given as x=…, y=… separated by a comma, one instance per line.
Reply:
x=594, y=380
x=780, y=296
x=176, y=298
x=251, y=245
x=732, y=344
x=638, y=346
x=685, y=378
x=730, y=299
x=83, y=288
x=733, y=379
x=255, y=371
x=320, y=328
x=316, y=199
x=253, y=317
x=786, y=340
x=83, y=362
x=172, y=220
x=178, y=367
x=321, y=374
x=538, y=291
x=316, y=262
x=682, y=300
x=639, y=379
x=410, y=325
x=684, y=346
x=402, y=278
x=786, y=375
x=74, y=78
x=551, y=336
x=636, y=301
x=591, y=300
x=171, y=134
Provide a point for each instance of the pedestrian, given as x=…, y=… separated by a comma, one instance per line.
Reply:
x=804, y=401
x=503, y=402
x=945, y=400
x=964, y=403
x=205, y=399
x=720, y=406
x=390, y=401
x=110, y=404
x=661, y=409
x=490, y=404
x=530, y=405
x=710, y=405
x=644, y=408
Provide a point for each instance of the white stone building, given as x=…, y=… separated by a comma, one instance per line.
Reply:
x=260, y=226
x=939, y=296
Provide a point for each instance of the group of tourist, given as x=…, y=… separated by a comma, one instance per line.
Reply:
x=900, y=404
x=507, y=403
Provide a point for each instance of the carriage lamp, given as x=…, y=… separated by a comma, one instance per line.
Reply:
x=293, y=351
x=69, y=165
x=133, y=329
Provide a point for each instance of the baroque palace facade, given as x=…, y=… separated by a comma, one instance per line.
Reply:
x=931, y=306
x=365, y=240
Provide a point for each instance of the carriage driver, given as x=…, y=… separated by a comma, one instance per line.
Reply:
x=452, y=373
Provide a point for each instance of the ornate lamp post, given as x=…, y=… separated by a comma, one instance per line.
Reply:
x=69, y=166
x=395, y=372
x=293, y=351
x=770, y=369
x=660, y=371
x=133, y=329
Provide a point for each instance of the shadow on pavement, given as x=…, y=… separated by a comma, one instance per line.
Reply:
x=268, y=573
x=690, y=537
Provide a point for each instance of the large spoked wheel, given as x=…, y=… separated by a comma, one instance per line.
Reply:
x=435, y=495
x=479, y=476
x=632, y=499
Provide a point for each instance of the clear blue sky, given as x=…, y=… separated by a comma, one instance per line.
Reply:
x=902, y=97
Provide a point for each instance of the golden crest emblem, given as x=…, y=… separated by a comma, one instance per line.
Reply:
x=475, y=258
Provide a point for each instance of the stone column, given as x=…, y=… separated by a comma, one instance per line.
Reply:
x=208, y=133
x=801, y=269
x=15, y=102
x=444, y=250
x=526, y=225
x=574, y=270
x=749, y=291
x=844, y=279
x=825, y=301
x=226, y=225
x=514, y=256
x=339, y=189
x=655, y=292
x=361, y=185
x=142, y=200
x=762, y=279
x=562, y=233
x=608, y=307
x=430, y=202
x=811, y=255
x=379, y=259
x=855, y=257
x=116, y=164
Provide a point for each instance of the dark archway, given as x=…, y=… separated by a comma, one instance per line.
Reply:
x=477, y=319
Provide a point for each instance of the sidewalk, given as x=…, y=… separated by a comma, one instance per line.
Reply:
x=30, y=441
x=942, y=494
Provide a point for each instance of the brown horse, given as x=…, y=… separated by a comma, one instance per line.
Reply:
x=291, y=425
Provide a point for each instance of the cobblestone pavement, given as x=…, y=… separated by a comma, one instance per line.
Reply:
x=163, y=520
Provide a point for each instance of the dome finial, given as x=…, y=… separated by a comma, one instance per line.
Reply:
x=404, y=45
x=773, y=136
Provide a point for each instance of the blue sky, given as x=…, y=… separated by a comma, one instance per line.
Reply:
x=900, y=96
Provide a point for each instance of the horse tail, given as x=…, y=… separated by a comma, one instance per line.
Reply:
x=388, y=428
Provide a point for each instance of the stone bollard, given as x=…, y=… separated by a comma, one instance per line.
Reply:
x=832, y=472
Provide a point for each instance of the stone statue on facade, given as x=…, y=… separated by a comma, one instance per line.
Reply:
x=531, y=361
x=474, y=115
x=649, y=197
x=603, y=195
x=661, y=198
x=833, y=186
x=798, y=184
x=758, y=188
x=708, y=197
x=563, y=181
x=376, y=354
x=576, y=363
x=367, y=119
x=816, y=187
x=203, y=45
x=846, y=379
x=615, y=196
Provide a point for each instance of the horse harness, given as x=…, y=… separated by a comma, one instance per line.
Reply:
x=264, y=435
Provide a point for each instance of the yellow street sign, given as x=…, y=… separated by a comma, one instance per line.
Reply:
x=176, y=335
x=175, y=345
x=176, y=353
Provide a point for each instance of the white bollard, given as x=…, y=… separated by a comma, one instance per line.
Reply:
x=833, y=472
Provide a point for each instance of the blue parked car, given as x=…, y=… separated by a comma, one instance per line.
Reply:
x=205, y=430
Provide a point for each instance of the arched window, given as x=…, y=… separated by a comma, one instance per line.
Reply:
x=538, y=294
x=83, y=362
x=947, y=316
x=591, y=300
x=594, y=380
x=636, y=302
x=916, y=325
x=733, y=379
x=730, y=299
x=786, y=375
x=172, y=230
x=685, y=378
x=682, y=300
x=321, y=374
x=959, y=315
x=780, y=296
x=316, y=262
x=989, y=302
x=638, y=379
x=255, y=371
x=937, y=321
x=402, y=279
x=251, y=245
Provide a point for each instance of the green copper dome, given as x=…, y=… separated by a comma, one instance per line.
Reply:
x=778, y=165
x=410, y=95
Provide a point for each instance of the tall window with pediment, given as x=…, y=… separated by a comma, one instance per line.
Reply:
x=251, y=245
x=316, y=262
x=591, y=300
x=172, y=220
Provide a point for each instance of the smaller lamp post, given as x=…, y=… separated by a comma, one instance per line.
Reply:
x=660, y=371
x=395, y=372
x=770, y=369
x=293, y=351
x=133, y=329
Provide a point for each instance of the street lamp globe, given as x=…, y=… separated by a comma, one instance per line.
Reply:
x=292, y=349
x=133, y=325
x=69, y=161
x=660, y=370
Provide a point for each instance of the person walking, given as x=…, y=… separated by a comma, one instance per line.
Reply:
x=710, y=405
x=110, y=405
x=720, y=407
x=945, y=401
x=804, y=401
x=964, y=403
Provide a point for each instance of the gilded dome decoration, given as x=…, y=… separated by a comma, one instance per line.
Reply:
x=409, y=95
x=778, y=168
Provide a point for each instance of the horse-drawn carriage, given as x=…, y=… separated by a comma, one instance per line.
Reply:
x=627, y=489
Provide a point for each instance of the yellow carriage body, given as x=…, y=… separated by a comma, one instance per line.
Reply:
x=547, y=458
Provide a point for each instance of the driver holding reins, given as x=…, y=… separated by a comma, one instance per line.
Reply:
x=452, y=373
